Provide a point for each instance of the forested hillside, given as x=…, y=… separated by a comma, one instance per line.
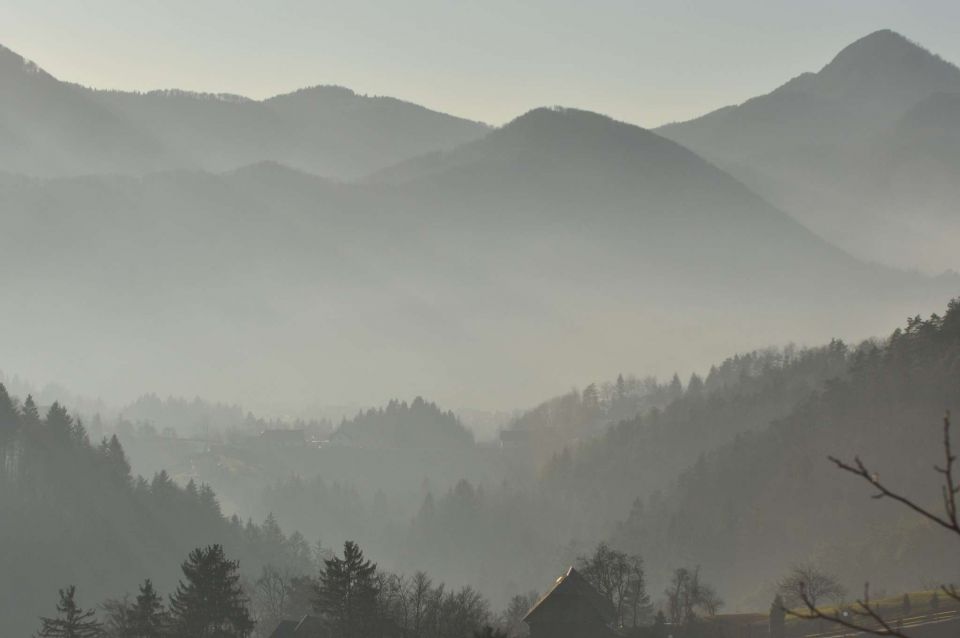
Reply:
x=770, y=497
x=640, y=456
x=73, y=514
x=419, y=424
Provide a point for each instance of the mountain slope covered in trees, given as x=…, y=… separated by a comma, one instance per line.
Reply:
x=74, y=514
x=755, y=491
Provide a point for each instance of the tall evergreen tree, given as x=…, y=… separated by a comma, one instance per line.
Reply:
x=30, y=413
x=347, y=593
x=117, y=465
x=59, y=423
x=210, y=603
x=9, y=418
x=9, y=424
x=71, y=621
x=148, y=617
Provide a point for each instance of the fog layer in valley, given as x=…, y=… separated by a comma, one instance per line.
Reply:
x=484, y=354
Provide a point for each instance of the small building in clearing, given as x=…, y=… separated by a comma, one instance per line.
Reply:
x=571, y=609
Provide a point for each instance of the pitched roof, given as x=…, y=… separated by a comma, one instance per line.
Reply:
x=307, y=627
x=284, y=629
x=572, y=584
x=310, y=627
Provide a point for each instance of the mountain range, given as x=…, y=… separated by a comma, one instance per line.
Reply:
x=54, y=128
x=863, y=152
x=503, y=263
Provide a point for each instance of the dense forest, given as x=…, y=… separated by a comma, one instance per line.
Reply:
x=676, y=483
x=769, y=497
x=73, y=513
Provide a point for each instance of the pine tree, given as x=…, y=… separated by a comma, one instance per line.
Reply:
x=59, y=423
x=78, y=434
x=210, y=603
x=9, y=424
x=30, y=413
x=675, y=390
x=347, y=595
x=591, y=400
x=71, y=620
x=117, y=465
x=9, y=418
x=621, y=388
x=147, y=616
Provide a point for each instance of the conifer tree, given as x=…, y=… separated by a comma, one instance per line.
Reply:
x=9, y=419
x=30, y=413
x=71, y=621
x=148, y=617
x=59, y=423
x=347, y=593
x=210, y=602
x=9, y=424
x=118, y=467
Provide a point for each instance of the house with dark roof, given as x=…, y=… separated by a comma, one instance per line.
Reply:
x=307, y=627
x=572, y=609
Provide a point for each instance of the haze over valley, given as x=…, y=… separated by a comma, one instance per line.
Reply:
x=279, y=330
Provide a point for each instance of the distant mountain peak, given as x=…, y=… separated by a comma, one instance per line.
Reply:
x=557, y=125
x=882, y=47
x=889, y=54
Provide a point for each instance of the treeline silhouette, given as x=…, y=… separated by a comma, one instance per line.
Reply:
x=772, y=492
x=417, y=424
x=345, y=596
x=73, y=513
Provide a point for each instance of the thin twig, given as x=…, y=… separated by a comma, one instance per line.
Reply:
x=950, y=489
x=865, y=610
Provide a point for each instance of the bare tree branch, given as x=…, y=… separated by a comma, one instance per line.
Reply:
x=948, y=520
x=950, y=489
x=863, y=608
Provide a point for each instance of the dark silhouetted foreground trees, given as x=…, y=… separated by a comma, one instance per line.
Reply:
x=210, y=601
x=71, y=620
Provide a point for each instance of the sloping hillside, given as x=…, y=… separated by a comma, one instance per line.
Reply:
x=588, y=230
x=52, y=128
x=770, y=497
x=828, y=148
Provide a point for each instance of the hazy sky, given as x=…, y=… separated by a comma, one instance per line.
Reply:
x=645, y=62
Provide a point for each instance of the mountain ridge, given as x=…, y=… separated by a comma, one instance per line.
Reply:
x=57, y=128
x=824, y=146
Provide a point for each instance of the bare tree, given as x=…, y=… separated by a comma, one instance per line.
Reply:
x=619, y=577
x=417, y=598
x=863, y=615
x=271, y=593
x=688, y=597
x=808, y=580
x=512, y=619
